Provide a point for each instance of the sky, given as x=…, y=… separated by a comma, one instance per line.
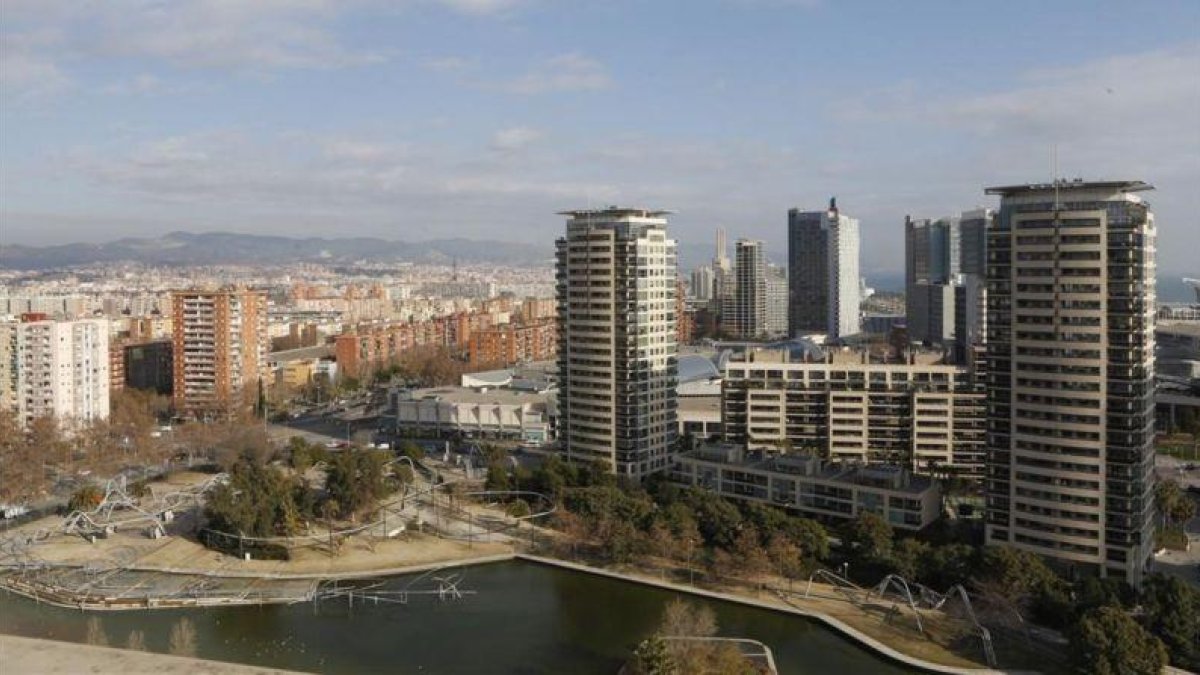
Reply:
x=420, y=119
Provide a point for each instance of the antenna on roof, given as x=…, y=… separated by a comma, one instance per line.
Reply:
x=1054, y=173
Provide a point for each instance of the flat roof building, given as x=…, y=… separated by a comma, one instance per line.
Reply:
x=1070, y=368
x=805, y=484
x=617, y=343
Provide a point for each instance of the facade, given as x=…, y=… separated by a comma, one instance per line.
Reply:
x=219, y=351
x=457, y=411
x=150, y=366
x=823, y=273
x=1177, y=345
x=509, y=344
x=367, y=347
x=921, y=414
x=617, y=339
x=56, y=369
x=702, y=284
x=777, y=302
x=828, y=492
x=1070, y=359
x=945, y=291
x=747, y=316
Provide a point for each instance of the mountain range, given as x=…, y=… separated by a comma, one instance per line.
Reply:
x=217, y=248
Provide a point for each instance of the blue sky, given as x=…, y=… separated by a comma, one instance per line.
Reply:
x=415, y=119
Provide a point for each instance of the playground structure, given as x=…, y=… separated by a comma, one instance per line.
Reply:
x=902, y=593
x=446, y=589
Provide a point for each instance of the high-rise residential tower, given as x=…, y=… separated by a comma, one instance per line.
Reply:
x=943, y=272
x=1070, y=359
x=747, y=317
x=702, y=284
x=823, y=272
x=617, y=339
x=219, y=349
x=56, y=369
x=777, y=301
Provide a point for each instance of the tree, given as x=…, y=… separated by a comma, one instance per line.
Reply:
x=684, y=619
x=1171, y=611
x=869, y=537
x=497, y=478
x=812, y=539
x=1021, y=580
x=356, y=480
x=183, y=638
x=717, y=519
x=909, y=558
x=1173, y=502
x=1106, y=641
x=257, y=501
x=749, y=550
x=136, y=641
x=653, y=658
x=787, y=558
x=86, y=498
x=947, y=565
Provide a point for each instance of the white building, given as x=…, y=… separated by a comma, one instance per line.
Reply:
x=476, y=413
x=56, y=369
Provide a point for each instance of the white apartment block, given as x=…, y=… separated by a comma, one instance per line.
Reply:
x=55, y=369
x=921, y=414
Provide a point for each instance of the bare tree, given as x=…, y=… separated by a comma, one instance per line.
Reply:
x=136, y=641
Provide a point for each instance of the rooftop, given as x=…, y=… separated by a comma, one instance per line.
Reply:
x=616, y=212
x=467, y=395
x=1075, y=184
x=885, y=476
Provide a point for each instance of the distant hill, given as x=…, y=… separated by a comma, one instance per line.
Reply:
x=216, y=248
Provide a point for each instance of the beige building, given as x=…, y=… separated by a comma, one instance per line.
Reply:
x=829, y=492
x=617, y=339
x=922, y=414
x=1070, y=359
x=220, y=350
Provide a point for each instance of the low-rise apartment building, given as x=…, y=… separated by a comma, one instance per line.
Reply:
x=805, y=484
x=923, y=414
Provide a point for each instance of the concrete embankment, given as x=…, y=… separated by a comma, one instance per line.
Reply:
x=21, y=655
x=263, y=595
x=830, y=621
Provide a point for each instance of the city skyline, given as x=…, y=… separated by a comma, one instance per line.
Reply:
x=303, y=117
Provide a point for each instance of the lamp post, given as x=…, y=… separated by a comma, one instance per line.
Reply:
x=691, y=569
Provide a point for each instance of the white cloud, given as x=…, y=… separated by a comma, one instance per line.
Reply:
x=565, y=72
x=448, y=64
x=251, y=35
x=26, y=72
x=514, y=138
x=479, y=7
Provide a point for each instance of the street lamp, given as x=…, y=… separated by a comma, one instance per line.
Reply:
x=691, y=569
